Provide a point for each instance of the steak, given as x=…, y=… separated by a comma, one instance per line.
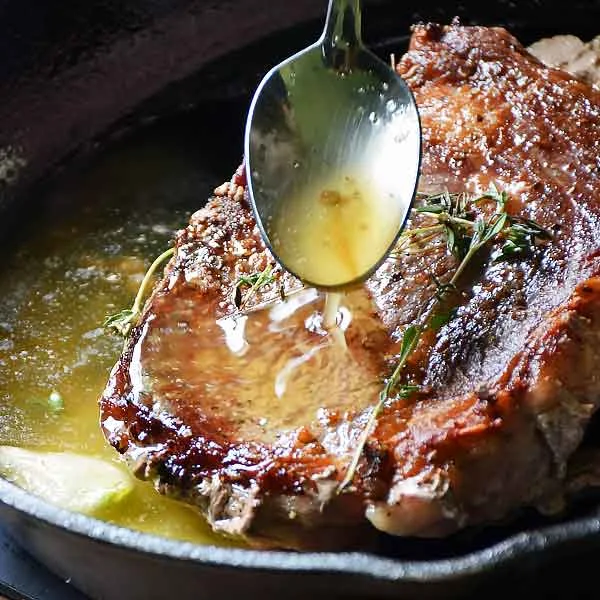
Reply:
x=254, y=416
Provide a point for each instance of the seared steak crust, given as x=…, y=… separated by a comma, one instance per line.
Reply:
x=508, y=384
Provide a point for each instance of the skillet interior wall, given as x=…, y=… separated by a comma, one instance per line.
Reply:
x=70, y=70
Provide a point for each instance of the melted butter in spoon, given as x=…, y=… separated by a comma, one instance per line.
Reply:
x=336, y=232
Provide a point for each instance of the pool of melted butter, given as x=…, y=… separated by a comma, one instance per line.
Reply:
x=78, y=257
x=265, y=372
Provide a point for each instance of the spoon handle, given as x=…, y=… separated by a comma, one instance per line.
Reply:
x=342, y=34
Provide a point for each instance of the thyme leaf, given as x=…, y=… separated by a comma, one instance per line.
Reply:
x=521, y=237
x=408, y=340
x=254, y=281
x=406, y=390
x=122, y=322
x=499, y=197
x=438, y=320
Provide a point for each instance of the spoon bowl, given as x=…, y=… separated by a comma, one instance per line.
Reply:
x=332, y=146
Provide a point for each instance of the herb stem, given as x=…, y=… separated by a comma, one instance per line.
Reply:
x=141, y=294
x=461, y=221
x=420, y=230
x=123, y=321
x=259, y=280
x=383, y=396
x=421, y=236
x=463, y=265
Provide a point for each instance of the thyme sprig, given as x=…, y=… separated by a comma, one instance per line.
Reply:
x=458, y=225
x=254, y=282
x=465, y=235
x=123, y=321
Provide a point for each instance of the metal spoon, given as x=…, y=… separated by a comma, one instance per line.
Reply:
x=333, y=144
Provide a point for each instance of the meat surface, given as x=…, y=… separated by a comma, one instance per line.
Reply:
x=507, y=385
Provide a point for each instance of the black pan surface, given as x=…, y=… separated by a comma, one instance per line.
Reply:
x=74, y=79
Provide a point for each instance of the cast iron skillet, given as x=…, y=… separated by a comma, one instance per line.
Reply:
x=72, y=71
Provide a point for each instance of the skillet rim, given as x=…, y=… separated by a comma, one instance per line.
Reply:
x=517, y=546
